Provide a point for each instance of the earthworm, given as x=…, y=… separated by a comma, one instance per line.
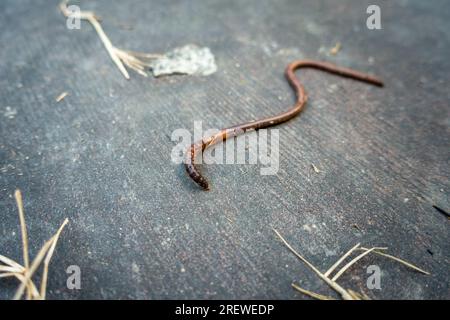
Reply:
x=199, y=147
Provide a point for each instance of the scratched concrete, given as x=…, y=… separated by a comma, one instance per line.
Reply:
x=138, y=226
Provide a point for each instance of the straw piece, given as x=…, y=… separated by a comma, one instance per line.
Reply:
x=359, y=296
x=119, y=57
x=334, y=51
x=348, y=265
x=61, y=96
x=9, y=274
x=10, y=262
x=34, y=291
x=143, y=54
x=29, y=272
x=48, y=258
x=344, y=294
x=311, y=294
x=410, y=265
x=25, y=274
x=334, y=266
x=23, y=228
x=9, y=269
x=108, y=45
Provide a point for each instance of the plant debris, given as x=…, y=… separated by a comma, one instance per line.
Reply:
x=316, y=170
x=334, y=51
x=346, y=294
x=134, y=60
x=10, y=268
x=189, y=59
x=61, y=96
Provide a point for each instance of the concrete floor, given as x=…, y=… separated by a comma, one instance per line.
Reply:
x=139, y=228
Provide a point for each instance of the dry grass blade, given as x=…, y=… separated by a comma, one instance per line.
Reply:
x=334, y=266
x=108, y=45
x=348, y=265
x=25, y=274
x=61, y=97
x=120, y=57
x=357, y=295
x=334, y=51
x=316, y=170
x=10, y=269
x=9, y=274
x=23, y=228
x=134, y=60
x=131, y=62
x=45, y=252
x=344, y=294
x=93, y=20
x=33, y=290
x=398, y=260
x=30, y=271
x=143, y=55
x=10, y=262
x=311, y=294
x=48, y=258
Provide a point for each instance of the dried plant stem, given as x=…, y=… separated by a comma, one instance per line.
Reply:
x=316, y=170
x=33, y=290
x=30, y=271
x=11, y=262
x=334, y=266
x=311, y=294
x=61, y=96
x=348, y=265
x=92, y=19
x=344, y=294
x=398, y=260
x=143, y=55
x=8, y=274
x=357, y=295
x=108, y=45
x=25, y=273
x=48, y=258
x=119, y=57
x=9, y=269
x=335, y=49
x=23, y=228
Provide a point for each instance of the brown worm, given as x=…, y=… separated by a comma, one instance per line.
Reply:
x=197, y=148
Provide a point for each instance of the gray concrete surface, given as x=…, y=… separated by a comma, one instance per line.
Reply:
x=139, y=228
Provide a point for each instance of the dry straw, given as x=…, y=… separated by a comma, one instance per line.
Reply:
x=137, y=61
x=346, y=294
x=10, y=268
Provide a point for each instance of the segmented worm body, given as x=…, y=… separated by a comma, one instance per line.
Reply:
x=197, y=148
